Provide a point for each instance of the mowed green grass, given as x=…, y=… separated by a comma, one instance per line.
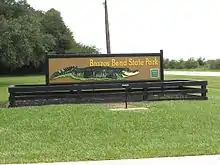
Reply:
x=92, y=132
x=6, y=81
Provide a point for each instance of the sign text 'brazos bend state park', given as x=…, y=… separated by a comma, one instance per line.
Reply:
x=128, y=62
x=72, y=69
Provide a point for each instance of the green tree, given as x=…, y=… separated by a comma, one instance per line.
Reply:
x=27, y=35
x=191, y=63
x=201, y=61
x=214, y=64
x=14, y=9
x=180, y=64
x=23, y=43
x=53, y=24
x=166, y=63
x=173, y=64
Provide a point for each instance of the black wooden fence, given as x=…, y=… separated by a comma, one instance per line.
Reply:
x=29, y=95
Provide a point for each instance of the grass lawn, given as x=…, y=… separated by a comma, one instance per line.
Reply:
x=5, y=81
x=92, y=132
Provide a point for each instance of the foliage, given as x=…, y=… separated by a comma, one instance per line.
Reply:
x=201, y=61
x=214, y=64
x=23, y=43
x=28, y=34
x=192, y=63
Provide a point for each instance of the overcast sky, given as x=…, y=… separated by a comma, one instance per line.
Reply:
x=182, y=28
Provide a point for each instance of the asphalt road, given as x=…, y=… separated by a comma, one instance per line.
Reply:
x=192, y=73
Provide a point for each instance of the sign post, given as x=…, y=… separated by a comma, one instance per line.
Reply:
x=126, y=86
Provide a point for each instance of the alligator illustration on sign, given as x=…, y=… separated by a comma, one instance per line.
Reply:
x=94, y=73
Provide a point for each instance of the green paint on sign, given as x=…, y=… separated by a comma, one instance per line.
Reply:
x=154, y=73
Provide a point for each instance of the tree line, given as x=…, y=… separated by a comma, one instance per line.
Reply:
x=192, y=63
x=27, y=35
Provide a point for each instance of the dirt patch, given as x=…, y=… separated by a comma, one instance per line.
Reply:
x=121, y=107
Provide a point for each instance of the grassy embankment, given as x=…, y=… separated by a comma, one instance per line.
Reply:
x=92, y=132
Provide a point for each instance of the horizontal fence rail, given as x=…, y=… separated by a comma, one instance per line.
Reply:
x=29, y=95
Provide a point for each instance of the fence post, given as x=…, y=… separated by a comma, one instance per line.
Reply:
x=126, y=86
x=204, y=90
x=11, y=100
x=11, y=97
x=145, y=95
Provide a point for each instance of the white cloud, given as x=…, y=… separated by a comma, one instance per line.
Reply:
x=182, y=28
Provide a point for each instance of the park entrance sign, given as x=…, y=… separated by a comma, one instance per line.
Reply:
x=68, y=69
x=105, y=78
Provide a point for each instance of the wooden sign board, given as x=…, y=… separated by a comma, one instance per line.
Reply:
x=100, y=68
